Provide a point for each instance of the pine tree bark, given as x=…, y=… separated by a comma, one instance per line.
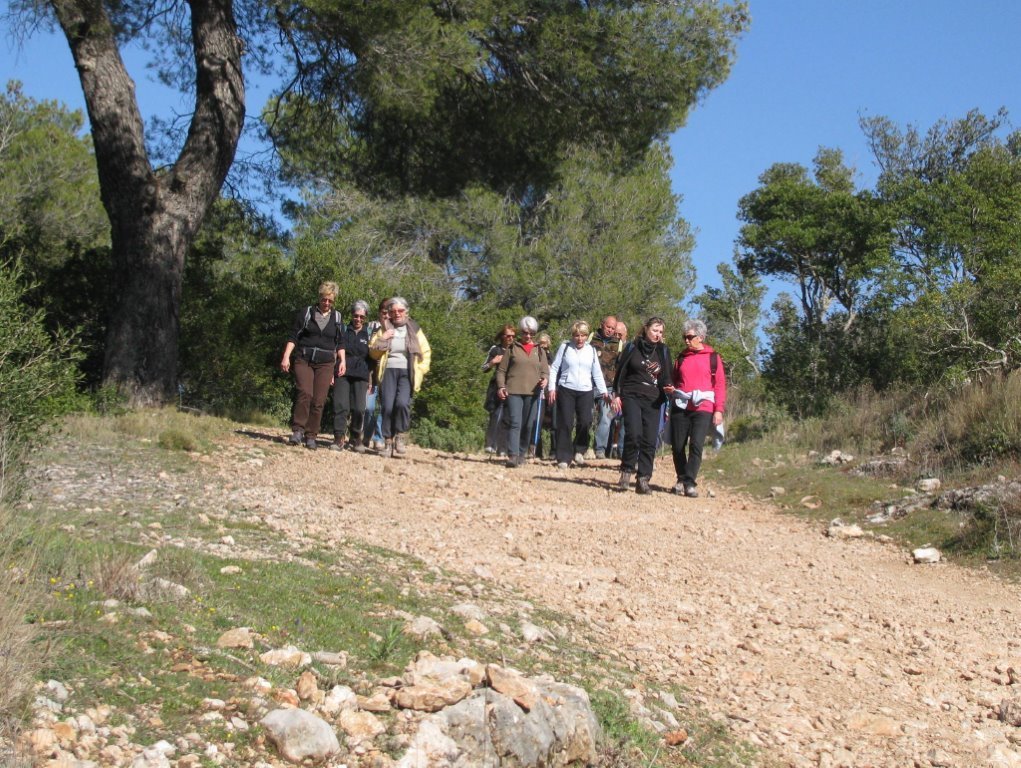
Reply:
x=154, y=215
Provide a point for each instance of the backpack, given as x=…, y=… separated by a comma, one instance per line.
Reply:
x=308, y=318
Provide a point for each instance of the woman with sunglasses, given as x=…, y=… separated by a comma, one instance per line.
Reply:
x=520, y=378
x=496, y=430
x=403, y=356
x=350, y=388
x=696, y=404
x=372, y=427
x=315, y=352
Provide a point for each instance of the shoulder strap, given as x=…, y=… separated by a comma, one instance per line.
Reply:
x=339, y=323
x=561, y=350
x=308, y=317
x=714, y=361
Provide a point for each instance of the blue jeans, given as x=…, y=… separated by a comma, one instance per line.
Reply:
x=521, y=411
x=605, y=415
x=370, y=431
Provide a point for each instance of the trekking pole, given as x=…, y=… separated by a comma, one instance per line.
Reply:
x=538, y=421
x=500, y=437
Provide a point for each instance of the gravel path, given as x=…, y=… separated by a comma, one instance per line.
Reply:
x=825, y=652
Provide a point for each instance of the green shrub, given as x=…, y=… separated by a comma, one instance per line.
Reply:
x=429, y=435
x=37, y=373
x=178, y=440
x=37, y=382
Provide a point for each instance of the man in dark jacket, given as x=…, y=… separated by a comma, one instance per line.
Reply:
x=607, y=346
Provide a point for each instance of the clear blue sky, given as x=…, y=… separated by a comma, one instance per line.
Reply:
x=804, y=73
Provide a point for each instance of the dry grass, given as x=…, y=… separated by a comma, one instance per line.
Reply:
x=166, y=427
x=21, y=657
x=117, y=576
x=977, y=424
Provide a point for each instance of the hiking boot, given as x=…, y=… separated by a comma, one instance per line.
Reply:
x=388, y=445
x=563, y=465
x=579, y=459
x=515, y=461
x=310, y=443
x=590, y=454
x=337, y=445
x=359, y=447
x=377, y=445
x=679, y=489
x=643, y=486
x=625, y=480
x=296, y=438
x=400, y=447
x=691, y=491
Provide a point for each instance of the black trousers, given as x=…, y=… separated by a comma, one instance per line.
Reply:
x=641, y=426
x=349, y=406
x=573, y=408
x=688, y=430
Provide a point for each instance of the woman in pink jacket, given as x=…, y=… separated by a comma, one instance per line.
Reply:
x=697, y=402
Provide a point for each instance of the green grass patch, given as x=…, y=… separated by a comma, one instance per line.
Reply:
x=990, y=538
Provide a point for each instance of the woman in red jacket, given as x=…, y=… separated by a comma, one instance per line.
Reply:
x=696, y=404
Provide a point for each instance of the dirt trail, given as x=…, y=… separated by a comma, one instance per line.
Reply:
x=825, y=652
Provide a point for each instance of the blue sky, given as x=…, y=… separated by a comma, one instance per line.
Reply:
x=804, y=73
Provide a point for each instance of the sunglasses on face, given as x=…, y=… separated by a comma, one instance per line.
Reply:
x=690, y=336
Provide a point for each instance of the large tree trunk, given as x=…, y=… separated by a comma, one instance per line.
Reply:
x=154, y=215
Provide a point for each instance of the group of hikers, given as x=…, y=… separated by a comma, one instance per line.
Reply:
x=631, y=390
x=384, y=359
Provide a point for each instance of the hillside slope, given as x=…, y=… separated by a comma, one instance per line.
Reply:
x=825, y=652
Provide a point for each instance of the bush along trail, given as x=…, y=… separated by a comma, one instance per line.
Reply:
x=710, y=631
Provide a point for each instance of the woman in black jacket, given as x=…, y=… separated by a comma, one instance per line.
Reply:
x=643, y=376
x=349, y=389
x=316, y=346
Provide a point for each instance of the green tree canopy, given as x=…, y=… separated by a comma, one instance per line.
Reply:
x=395, y=97
x=429, y=98
x=830, y=240
x=733, y=313
x=49, y=192
x=955, y=200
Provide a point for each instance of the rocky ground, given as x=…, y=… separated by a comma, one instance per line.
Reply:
x=823, y=651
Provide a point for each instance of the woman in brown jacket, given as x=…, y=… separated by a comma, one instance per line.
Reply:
x=520, y=379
